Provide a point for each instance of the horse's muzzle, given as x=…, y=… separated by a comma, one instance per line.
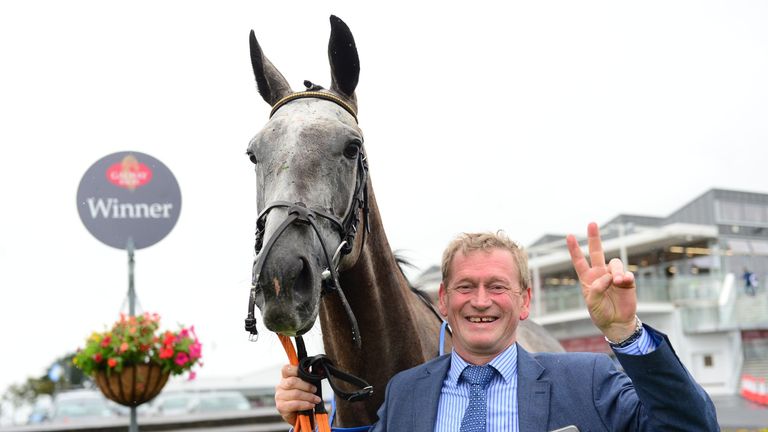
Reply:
x=289, y=289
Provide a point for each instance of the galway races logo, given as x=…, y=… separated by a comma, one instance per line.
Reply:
x=129, y=173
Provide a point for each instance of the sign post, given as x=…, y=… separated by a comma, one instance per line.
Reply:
x=129, y=200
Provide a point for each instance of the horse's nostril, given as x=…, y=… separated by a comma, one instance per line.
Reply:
x=303, y=282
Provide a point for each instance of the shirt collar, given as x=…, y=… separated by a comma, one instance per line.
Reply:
x=504, y=363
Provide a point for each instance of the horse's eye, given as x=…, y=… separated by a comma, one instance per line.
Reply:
x=252, y=157
x=352, y=149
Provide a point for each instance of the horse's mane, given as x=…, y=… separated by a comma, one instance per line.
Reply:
x=402, y=264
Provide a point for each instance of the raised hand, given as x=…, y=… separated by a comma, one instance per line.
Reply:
x=609, y=291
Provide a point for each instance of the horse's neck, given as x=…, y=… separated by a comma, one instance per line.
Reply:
x=397, y=330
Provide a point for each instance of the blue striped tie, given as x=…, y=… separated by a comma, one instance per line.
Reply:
x=476, y=413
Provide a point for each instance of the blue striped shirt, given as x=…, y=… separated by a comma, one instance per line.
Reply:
x=501, y=393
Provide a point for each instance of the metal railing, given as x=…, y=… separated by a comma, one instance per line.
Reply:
x=705, y=288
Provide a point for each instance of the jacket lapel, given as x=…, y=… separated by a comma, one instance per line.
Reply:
x=426, y=395
x=532, y=393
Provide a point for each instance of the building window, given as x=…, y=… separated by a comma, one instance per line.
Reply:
x=759, y=247
x=728, y=211
x=739, y=247
x=741, y=213
x=708, y=361
x=754, y=213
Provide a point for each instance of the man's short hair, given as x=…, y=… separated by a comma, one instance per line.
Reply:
x=487, y=241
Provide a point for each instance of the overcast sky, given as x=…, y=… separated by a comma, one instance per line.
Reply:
x=533, y=118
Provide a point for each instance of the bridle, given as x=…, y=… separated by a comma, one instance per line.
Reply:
x=316, y=368
x=299, y=213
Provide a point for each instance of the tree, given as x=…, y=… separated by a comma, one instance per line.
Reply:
x=68, y=377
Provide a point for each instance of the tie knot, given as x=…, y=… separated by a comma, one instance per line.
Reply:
x=478, y=375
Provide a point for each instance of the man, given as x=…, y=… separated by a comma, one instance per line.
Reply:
x=750, y=282
x=484, y=294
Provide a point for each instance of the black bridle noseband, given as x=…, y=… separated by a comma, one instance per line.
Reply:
x=299, y=213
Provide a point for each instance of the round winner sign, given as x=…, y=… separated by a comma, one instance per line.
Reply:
x=129, y=196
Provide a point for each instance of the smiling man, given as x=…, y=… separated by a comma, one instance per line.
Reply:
x=482, y=295
x=490, y=383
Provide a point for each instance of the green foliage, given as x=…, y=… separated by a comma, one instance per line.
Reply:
x=30, y=389
x=18, y=394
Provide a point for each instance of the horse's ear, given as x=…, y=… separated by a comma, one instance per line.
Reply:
x=272, y=85
x=342, y=54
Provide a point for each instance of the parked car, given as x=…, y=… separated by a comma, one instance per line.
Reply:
x=185, y=402
x=173, y=403
x=218, y=401
x=41, y=410
x=80, y=405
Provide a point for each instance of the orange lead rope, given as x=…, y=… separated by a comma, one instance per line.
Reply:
x=303, y=418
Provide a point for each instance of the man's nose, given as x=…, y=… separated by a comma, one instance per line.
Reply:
x=482, y=297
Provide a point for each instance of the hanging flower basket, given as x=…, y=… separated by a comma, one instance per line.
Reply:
x=134, y=385
x=132, y=360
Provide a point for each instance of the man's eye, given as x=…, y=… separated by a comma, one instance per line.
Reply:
x=498, y=288
x=464, y=289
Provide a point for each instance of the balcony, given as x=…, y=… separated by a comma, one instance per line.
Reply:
x=707, y=303
x=739, y=312
x=565, y=298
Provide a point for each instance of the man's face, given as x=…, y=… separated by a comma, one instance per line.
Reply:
x=483, y=302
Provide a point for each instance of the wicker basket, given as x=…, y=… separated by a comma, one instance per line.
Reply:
x=133, y=386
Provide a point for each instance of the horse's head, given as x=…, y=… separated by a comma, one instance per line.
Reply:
x=311, y=179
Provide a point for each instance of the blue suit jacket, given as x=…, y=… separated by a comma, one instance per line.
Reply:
x=560, y=389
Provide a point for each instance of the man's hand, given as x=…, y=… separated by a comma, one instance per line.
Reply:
x=293, y=394
x=609, y=291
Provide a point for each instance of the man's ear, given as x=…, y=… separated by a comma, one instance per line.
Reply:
x=442, y=303
x=526, y=309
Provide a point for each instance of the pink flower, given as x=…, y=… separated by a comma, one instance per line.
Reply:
x=195, y=350
x=192, y=375
x=181, y=359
